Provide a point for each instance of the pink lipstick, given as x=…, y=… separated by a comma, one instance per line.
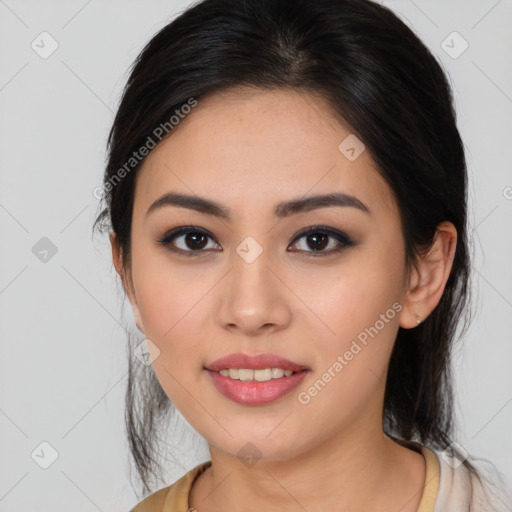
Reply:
x=255, y=379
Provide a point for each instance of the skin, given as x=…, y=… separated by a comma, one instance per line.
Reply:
x=249, y=150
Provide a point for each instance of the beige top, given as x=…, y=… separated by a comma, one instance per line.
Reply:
x=174, y=498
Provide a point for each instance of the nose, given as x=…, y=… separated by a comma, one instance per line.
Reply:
x=252, y=299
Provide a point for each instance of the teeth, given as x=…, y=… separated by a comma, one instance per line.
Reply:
x=258, y=375
x=245, y=374
x=277, y=373
x=263, y=375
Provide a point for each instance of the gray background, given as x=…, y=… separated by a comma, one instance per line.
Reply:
x=62, y=365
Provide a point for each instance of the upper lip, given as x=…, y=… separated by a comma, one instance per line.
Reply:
x=254, y=362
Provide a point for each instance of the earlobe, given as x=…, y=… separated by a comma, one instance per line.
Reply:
x=429, y=279
x=118, y=264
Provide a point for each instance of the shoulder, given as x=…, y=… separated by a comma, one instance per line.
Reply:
x=173, y=497
x=450, y=486
x=461, y=491
x=152, y=502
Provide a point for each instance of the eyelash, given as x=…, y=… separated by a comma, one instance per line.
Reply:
x=341, y=237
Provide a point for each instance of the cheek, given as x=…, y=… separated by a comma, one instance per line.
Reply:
x=354, y=297
x=361, y=312
x=172, y=310
x=166, y=292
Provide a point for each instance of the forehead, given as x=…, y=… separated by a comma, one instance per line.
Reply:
x=247, y=146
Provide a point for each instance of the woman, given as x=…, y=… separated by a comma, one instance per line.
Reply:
x=286, y=192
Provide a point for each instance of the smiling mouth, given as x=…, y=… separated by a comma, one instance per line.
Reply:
x=255, y=379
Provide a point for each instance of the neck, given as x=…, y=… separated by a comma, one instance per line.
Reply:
x=355, y=470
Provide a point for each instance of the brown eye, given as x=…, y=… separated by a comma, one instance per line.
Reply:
x=195, y=240
x=318, y=238
x=187, y=239
x=318, y=241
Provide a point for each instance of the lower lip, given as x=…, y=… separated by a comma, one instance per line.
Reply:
x=254, y=392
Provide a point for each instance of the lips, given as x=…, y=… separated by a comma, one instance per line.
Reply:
x=254, y=362
x=252, y=393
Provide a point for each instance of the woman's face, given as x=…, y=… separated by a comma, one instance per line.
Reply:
x=249, y=282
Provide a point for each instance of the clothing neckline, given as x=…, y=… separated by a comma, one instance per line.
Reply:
x=180, y=491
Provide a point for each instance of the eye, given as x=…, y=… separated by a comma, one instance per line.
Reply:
x=187, y=239
x=192, y=241
x=317, y=238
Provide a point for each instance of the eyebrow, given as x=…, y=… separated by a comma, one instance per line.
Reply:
x=282, y=210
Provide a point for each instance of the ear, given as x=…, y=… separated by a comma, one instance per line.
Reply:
x=428, y=281
x=117, y=258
